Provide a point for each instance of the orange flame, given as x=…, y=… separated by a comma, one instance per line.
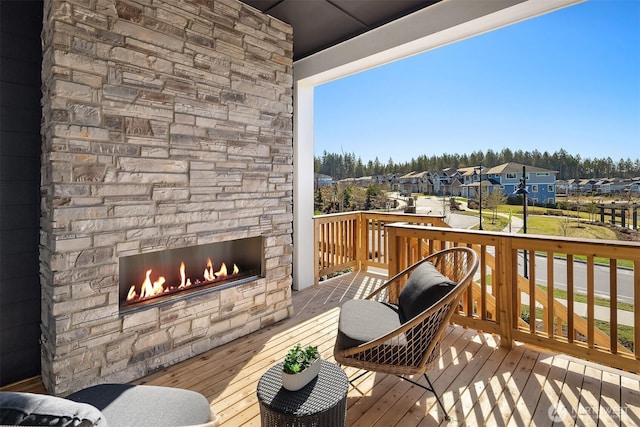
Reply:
x=150, y=289
x=132, y=293
x=222, y=272
x=184, y=281
x=209, y=275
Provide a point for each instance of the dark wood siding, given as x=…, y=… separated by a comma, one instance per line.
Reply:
x=20, y=64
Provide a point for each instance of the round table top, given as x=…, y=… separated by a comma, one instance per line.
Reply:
x=322, y=393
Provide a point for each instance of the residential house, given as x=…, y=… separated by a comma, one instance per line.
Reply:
x=362, y=181
x=588, y=185
x=323, y=180
x=541, y=183
x=445, y=182
x=566, y=186
x=383, y=179
x=415, y=182
x=454, y=186
x=614, y=185
x=408, y=183
x=471, y=178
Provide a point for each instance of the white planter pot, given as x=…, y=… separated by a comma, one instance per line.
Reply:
x=293, y=382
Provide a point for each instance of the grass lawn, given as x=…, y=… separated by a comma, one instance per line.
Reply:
x=489, y=223
x=559, y=226
x=537, y=210
x=543, y=224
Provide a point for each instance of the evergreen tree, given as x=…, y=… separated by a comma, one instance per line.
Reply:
x=319, y=201
x=346, y=199
x=340, y=166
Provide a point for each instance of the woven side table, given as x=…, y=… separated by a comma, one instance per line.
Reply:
x=321, y=403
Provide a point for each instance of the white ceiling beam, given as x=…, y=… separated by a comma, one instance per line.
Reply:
x=439, y=25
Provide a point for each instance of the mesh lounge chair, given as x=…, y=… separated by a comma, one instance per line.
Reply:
x=403, y=338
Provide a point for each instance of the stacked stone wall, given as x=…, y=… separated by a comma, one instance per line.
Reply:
x=166, y=124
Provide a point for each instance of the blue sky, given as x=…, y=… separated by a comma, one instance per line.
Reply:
x=568, y=79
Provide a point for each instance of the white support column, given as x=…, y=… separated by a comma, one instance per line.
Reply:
x=303, y=272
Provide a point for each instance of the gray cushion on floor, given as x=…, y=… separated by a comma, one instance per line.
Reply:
x=145, y=405
x=30, y=409
x=425, y=287
x=364, y=320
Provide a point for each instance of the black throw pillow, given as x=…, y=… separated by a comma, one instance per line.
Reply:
x=425, y=287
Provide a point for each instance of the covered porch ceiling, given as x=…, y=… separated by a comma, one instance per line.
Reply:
x=319, y=24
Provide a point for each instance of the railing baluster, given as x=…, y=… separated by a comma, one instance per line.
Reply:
x=550, y=294
x=532, y=299
x=636, y=306
x=379, y=228
x=570, y=306
x=613, y=302
x=341, y=240
x=483, y=282
x=590, y=301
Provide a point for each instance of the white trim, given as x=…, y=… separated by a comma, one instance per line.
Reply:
x=439, y=25
x=303, y=238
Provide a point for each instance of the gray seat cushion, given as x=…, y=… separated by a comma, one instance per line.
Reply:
x=145, y=405
x=30, y=409
x=364, y=320
x=425, y=287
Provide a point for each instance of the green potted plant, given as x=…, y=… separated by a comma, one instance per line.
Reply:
x=300, y=367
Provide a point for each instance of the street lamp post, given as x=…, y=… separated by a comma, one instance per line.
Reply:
x=480, y=192
x=522, y=190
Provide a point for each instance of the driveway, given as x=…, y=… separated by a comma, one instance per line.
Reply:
x=435, y=206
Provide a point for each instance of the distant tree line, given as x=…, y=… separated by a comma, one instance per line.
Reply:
x=340, y=166
x=339, y=198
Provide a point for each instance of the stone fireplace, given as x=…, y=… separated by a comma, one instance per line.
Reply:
x=167, y=125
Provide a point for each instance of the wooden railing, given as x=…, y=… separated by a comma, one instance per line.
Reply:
x=583, y=274
x=357, y=239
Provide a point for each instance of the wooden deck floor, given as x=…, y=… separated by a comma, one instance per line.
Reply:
x=481, y=383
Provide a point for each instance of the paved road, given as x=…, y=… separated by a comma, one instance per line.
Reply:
x=436, y=206
x=601, y=277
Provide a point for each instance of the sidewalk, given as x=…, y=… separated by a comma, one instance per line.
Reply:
x=516, y=224
x=599, y=312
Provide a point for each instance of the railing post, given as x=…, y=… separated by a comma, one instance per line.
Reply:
x=316, y=252
x=363, y=240
x=506, y=306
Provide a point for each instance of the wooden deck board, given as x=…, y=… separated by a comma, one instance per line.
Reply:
x=630, y=396
x=570, y=395
x=480, y=383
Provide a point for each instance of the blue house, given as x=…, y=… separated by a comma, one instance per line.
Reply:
x=541, y=183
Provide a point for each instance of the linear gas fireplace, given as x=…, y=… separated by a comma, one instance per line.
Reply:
x=159, y=277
